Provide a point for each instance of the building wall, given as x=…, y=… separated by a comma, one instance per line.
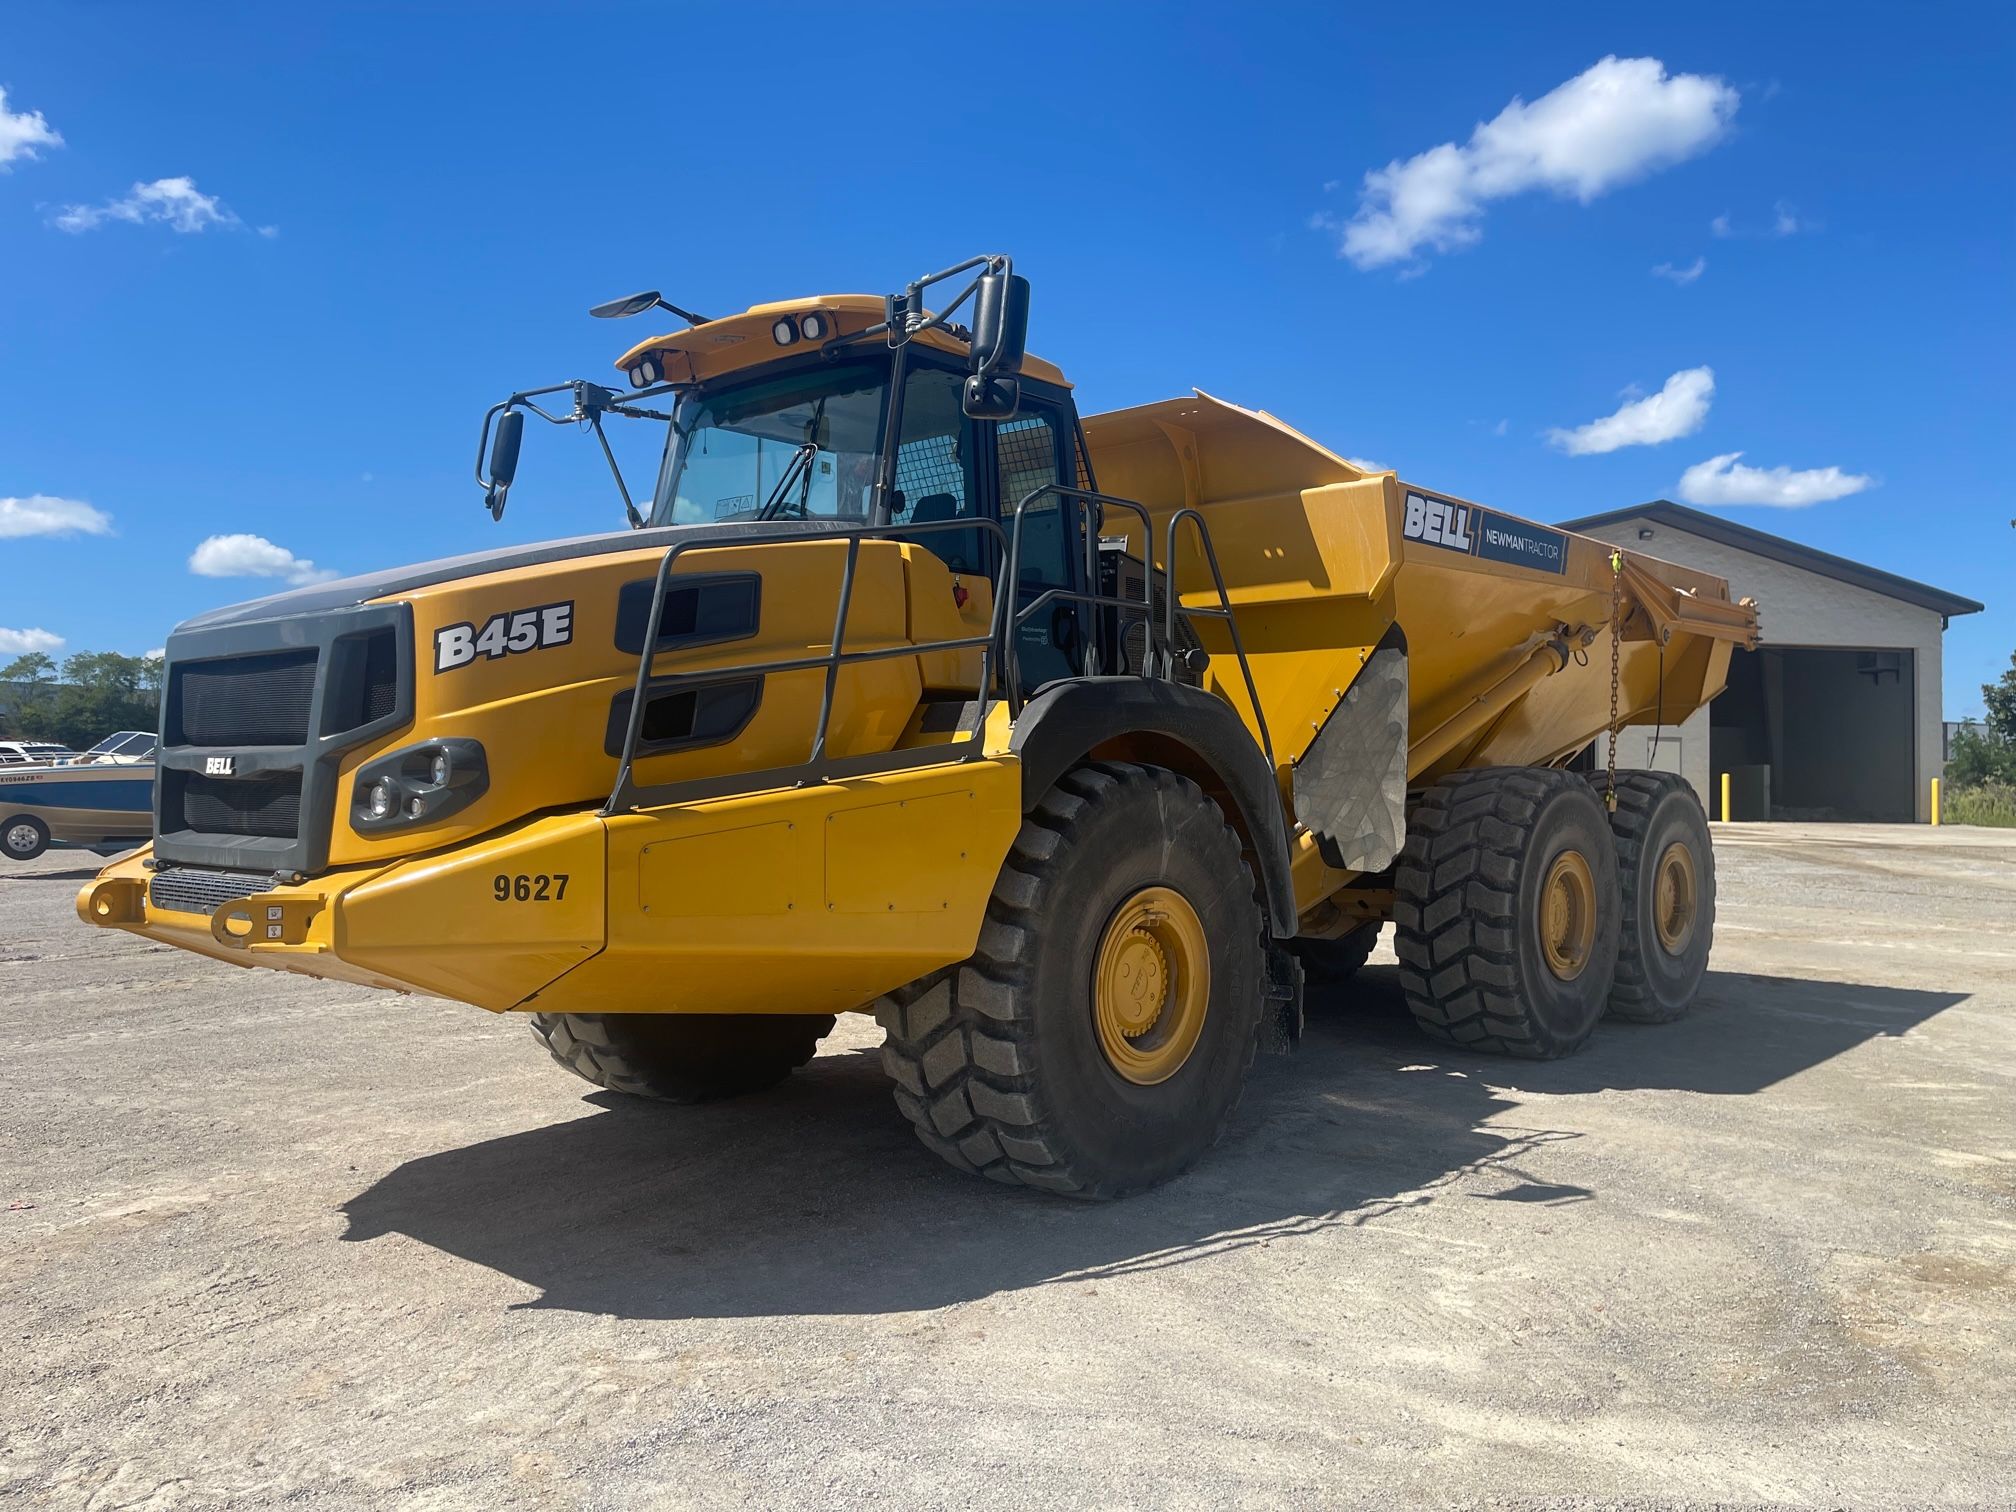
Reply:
x=1796, y=608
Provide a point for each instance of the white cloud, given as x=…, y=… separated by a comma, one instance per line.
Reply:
x=45, y=515
x=1366, y=464
x=1501, y=427
x=1682, y=276
x=1724, y=480
x=173, y=202
x=252, y=556
x=1785, y=221
x=23, y=134
x=1618, y=121
x=1678, y=409
x=159, y=653
x=21, y=642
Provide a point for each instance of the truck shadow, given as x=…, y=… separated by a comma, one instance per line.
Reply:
x=814, y=1199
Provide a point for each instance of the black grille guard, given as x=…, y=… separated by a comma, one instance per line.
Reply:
x=316, y=758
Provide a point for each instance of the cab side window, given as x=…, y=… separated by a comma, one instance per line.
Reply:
x=1026, y=452
x=934, y=468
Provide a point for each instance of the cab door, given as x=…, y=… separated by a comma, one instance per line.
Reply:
x=1035, y=448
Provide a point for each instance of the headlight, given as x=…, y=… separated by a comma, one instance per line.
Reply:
x=422, y=784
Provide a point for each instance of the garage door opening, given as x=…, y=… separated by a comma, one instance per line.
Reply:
x=1817, y=734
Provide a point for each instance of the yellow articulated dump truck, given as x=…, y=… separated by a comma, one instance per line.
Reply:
x=1062, y=744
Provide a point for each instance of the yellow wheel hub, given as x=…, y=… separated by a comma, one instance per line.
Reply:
x=1568, y=915
x=1676, y=898
x=1151, y=985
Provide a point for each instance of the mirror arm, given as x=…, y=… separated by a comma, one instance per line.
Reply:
x=636, y=520
x=942, y=321
x=591, y=402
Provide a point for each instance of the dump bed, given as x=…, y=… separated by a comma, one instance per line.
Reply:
x=1508, y=625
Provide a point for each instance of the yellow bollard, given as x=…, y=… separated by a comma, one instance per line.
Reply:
x=1725, y=797
x=1935, y=800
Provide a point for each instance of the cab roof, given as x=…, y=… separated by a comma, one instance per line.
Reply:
x=737, y=341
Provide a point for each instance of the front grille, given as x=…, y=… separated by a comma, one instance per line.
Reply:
x=267, y=805
x=242, y=700
x=257, y=719
x=381, y=676
x=201, y=890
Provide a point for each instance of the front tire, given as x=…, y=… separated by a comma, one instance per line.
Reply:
x=1097, y=1041
x=682, y=1057
x=1506, y=911
x=23, y=837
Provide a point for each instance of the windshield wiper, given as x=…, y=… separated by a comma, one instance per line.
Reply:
x=799, y=469
x=799, y=465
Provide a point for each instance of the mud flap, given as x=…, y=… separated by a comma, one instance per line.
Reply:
x=1351, y=784
x=1281, y=1021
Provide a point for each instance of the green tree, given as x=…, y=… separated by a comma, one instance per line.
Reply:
x=2000, y=697
x=1987, y=756
x=1978, y=757
x=101, y=691
x=31, y=675
x=36, y=667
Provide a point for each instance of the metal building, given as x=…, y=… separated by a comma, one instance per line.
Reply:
x=1837, y=714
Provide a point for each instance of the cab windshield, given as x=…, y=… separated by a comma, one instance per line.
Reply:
x=816, y=432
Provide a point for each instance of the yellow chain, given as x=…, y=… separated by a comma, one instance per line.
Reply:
x=1616, y=620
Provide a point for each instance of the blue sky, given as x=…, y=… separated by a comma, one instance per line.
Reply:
x=282, y=258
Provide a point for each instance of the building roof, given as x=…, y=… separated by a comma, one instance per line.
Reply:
x=1777, y=549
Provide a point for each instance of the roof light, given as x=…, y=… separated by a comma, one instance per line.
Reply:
x=785, y=331
x=814, y=326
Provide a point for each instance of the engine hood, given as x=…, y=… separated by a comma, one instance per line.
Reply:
x=340, y=593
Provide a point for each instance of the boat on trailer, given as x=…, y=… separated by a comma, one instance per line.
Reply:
x=103, y=797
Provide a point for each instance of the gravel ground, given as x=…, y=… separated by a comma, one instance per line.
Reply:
x=270, y=1241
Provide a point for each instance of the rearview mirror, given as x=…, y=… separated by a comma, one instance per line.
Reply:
x=504, y=444
x=504, y=447
x=629, y=304
x=1000, y=323
x=986, y=397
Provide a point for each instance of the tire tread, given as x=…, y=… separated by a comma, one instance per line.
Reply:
x=959, y=1042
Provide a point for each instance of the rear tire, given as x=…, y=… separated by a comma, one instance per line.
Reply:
x=1507, y=910
x=1330, y=962
x=1666, y=870
x=1027, y=1063
x=682, y=1057
x=23, y=837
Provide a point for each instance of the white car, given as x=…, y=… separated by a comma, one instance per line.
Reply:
x=33, y=753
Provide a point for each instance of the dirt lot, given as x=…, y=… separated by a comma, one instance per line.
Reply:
x=274, y=1241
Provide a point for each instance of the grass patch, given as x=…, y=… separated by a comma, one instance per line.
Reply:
x=1992, y=804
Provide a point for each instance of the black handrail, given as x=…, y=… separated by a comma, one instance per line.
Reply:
x=1223, y=611
x=1171, y=606
x=1011, y=664
x=1000, y=668
x=627, y=794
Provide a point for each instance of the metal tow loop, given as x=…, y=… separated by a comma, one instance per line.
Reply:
x=1616, y=618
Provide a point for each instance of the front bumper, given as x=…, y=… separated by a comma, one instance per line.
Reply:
x=455, y=926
